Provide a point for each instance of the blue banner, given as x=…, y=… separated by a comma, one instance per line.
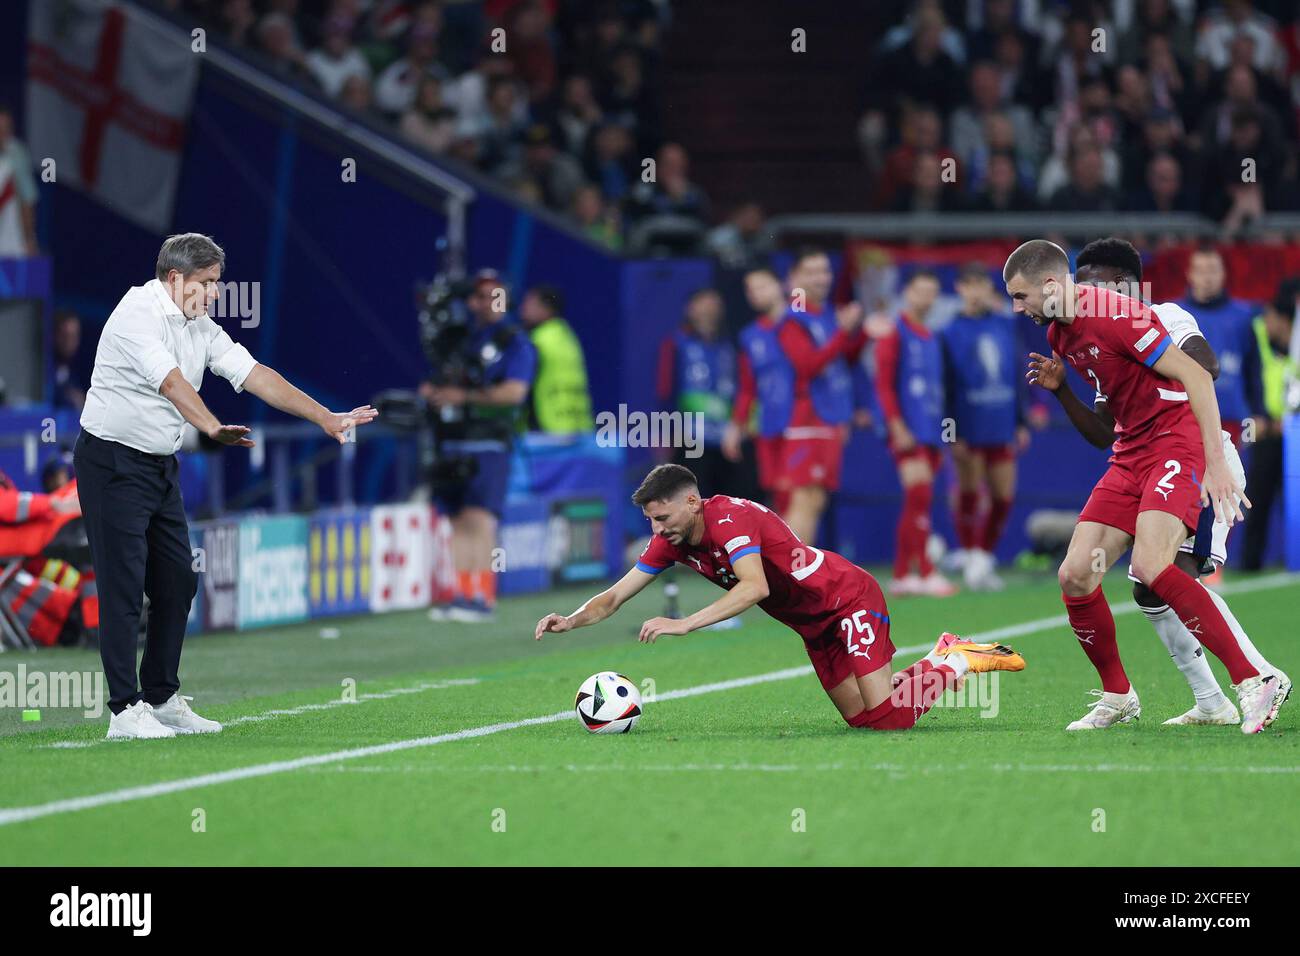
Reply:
x=338, y=549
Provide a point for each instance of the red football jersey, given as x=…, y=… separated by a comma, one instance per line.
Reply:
x=806, y=585
x=1113, y=342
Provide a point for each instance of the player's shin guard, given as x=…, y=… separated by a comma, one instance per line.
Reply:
x=999, y=511
x=911, y=698
x=1200, y=615
x=1094, y=626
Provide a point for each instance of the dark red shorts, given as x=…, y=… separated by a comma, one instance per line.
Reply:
x=992, y=454
x=767, y=454
x=1166, y=477
x=813, y=460
x=856, y=639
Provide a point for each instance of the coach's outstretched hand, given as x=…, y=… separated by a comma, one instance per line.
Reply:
x=338, y=424
x=231, y=435
x=555, y=623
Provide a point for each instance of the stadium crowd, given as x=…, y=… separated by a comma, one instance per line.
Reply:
x=1130, y=105
x=1092, y=105
x=556, y=99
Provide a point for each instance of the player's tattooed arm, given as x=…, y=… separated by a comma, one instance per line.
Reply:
x=598, y=608
x=1195, y=346
x=748, y=591
x=1097, y=426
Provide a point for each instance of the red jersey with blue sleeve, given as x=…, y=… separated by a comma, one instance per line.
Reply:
x=1113, y=343
x=806, y=585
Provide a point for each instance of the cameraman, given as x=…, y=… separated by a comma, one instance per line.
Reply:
x=506, y=364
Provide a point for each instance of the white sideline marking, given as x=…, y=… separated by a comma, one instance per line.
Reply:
x=129, y=794
x=293, y=711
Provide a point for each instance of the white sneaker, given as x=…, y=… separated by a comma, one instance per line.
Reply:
x=177, y=715
x=907, y=584
x=137, y=722
x=1196, y=717
x=954, y=562
x=1109, y=709
x=1260, y=698
x=979, y=574
x=935, y=584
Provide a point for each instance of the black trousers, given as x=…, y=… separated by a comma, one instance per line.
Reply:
x=1263, y=484
x=140, y=544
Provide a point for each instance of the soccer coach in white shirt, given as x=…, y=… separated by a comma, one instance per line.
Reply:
x=144, y=387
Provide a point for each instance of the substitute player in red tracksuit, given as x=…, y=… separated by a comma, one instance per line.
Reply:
x=910, y=388
x=1168, y=462
x=45, y=593
x=835, y=606
x=763, y=385
x=819, y=343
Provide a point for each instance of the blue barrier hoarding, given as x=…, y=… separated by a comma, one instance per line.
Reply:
x=338, y=548
x=525, y=546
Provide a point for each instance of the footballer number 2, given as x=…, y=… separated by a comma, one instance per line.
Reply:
x=1166, y=484
x=858, y=634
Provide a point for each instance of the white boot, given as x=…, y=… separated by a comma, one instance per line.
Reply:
x=1109, y=709
x=177, y=715
x=137, y=722
x=1260, y=697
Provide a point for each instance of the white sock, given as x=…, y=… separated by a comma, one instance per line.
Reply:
x=1247, y=646
x=957, y=663
x=1188, y=655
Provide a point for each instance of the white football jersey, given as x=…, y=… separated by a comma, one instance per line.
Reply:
x=1180, y=323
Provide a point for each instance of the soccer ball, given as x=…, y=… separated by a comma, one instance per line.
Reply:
x=608, y=703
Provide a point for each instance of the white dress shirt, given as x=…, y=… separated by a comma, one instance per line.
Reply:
x=143, y=340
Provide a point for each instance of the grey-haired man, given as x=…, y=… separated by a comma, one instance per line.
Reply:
x=144, y=388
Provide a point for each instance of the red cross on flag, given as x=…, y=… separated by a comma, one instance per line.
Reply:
x=108, y=94
x=11, y=224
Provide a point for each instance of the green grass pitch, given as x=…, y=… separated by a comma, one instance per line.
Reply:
x=761, y=773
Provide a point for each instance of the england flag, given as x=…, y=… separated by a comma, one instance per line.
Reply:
x=108, y=95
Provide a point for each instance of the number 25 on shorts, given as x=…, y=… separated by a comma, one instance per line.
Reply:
x=858, y=634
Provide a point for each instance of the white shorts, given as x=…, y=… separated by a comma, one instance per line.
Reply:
x=1212, y=534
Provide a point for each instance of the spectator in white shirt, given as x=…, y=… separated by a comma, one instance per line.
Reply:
x=396, y=86
x=1236, y=18
x=467, y=94
x=18, y=193
x=144, y=388
x=336, y=59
